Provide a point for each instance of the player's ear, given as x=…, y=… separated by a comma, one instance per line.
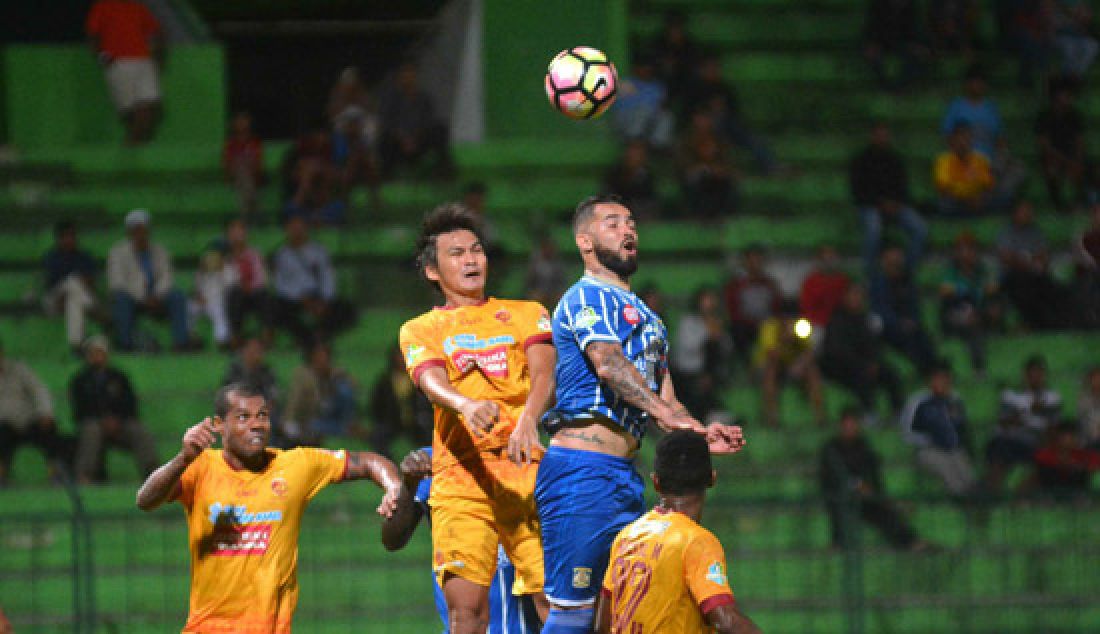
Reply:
x=584, y=242
x=431, y=272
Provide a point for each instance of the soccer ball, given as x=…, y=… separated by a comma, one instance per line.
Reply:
x=581, y=82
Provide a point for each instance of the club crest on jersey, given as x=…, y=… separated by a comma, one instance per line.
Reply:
x=716, y=574
x=631, y=315
x=503, y=316
x=586, y=318
x=279, y=486
x=544, y=324
x=582, y=577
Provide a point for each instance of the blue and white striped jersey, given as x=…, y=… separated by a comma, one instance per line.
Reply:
x=597, y=311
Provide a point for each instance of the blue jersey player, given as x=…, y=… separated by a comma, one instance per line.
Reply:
x=612, y=380
x=508, y=613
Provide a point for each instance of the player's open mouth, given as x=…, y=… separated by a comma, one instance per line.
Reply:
x=471, y=275
x=630, y=247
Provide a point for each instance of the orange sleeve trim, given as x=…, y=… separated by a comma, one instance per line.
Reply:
x=430, y=363
x=542, y=337
x=716, y=601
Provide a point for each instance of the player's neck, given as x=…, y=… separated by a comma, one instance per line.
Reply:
x=254, y=463
x=690, y=505
x=604, y=274
x=458, y=300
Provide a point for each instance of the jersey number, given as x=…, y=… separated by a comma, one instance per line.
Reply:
x=630, y=583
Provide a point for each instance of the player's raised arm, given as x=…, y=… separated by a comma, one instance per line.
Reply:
x=722, y=439
x=164, y=483
x=368, y=465
x=480, y=416
x=398, y=528
x=727, y=619
x=525, y=438
x=618, y=373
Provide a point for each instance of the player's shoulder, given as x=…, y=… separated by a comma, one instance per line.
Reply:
x=424, y=320
x=519, y=305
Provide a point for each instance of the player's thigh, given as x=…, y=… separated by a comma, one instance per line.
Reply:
x=521, y=537
x=464, y=539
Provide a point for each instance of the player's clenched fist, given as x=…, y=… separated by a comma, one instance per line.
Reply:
x=724, y=439
x=416, y=465
x=198, y=438
x=480, y=415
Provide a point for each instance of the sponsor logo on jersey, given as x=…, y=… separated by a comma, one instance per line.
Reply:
x=489, y=355
x=279, y=486
x=586, y=318
x=715, y=573
x=238, y=531
x=630, y=314
x=582, y=577
x=544, y=324
x=413, y=354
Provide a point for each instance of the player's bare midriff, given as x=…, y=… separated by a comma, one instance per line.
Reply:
x=599, y=434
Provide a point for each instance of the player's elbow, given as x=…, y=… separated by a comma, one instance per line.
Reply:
x=144, y=502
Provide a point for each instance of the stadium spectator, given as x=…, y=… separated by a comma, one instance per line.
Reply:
x=895, y=299
x=243, y=163
x=953, y=26
x=969, y=306
x=880, y=189
x=398, y=408
x=1060, y=135
x=305, y=287
x=702, y=354
x=70, y=283
x=355, y=159
x=712, y=94
x=822, y=290
x=1086, y=256
x=784, y=353
x=892, y=29
x=1063, y=467
x=707, y=174
x=210, y=296
x=1026, y=414
x=1024, y=30
x=1071, y=21
x=248, y=294
x=1088, y=409
x=250, y=366
x=410, y=129
x=106, y=413
x=750, y=298
x=141, y=281
x=128, y=44
x=321, y=401
x=313, y=181
x=934, y=422
x=27, y=418
x=1041, y=301
x=545, y=272
x=850, y=476
x=677, y=54
x=641, y=111
x=851, y=354
x=349, y=98
x=633, y=179
x=963, y=177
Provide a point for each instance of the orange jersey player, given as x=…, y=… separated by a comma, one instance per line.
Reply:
x=487, y=366
x=244, y=506
x=668, y=573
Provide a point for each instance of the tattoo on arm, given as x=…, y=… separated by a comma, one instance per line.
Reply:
x=622, y=377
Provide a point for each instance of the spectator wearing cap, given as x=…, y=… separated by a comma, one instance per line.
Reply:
x=934, y=422
x=27, y=417
x=963, y=176
x=70, y=282
x=141, y=281
x=784, y=353
x=969, y=306
x=106, y=413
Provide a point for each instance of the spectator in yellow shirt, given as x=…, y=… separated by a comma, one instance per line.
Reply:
x=963, y=176
x=784, y=352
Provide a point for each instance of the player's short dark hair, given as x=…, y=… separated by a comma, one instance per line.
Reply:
x=683, y=463
x=445, y=218
x=1035, y=362
x=587, y=207
x=850, y=411
x=62, y=227
x=939, y=366
x=240, y=388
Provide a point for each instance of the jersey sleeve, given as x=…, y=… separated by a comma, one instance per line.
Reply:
x=323, y=467
x=535, y=326
x=185, y=493
x=589, y=314
x=421, y=349
x=705, y=573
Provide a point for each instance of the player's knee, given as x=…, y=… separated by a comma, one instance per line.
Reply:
x=470, y=618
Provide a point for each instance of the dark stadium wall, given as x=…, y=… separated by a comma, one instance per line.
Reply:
x=521, y=38
x=55, y=96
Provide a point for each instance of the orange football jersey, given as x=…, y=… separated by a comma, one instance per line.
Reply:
x=666, y=572
x=484, y=350
x=243, y=533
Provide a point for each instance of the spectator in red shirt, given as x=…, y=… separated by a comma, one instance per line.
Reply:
x=751, y=297
x=243, y=161
x=127, y=41
x=1063, y=466
x=822, y=290
x=248, y=295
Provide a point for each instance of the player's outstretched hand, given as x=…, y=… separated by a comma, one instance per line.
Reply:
x=388, y=506
x=480, y=415
x=725, y=439
x=417, y=465
x=198, y=438
x=524, y=444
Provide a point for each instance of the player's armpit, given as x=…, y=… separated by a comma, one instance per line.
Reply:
x=727, y=619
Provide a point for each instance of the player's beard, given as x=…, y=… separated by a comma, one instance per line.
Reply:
x=612, y=261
